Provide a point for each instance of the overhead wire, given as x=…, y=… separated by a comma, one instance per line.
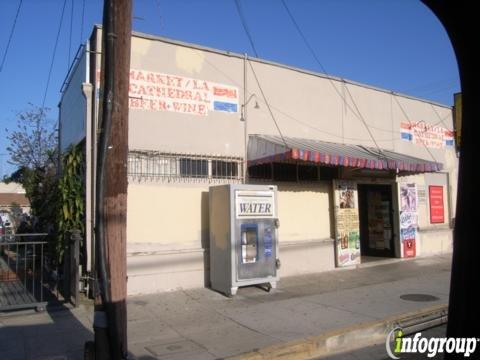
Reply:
x=54, y=53
x=411, y=122
x=70, y=36
x=314, y=55
x=245, y=26
x=250, y=38
x=234, y=81
x=360, y=116
x=12, y=30
x=363, y=120
x=157, y=3
x=82, y=22
x=441, y=120
x=267, y=103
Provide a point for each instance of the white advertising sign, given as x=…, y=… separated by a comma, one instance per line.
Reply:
x=155, y=91
x=254, y=204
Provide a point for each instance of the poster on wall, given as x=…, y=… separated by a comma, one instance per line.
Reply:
x=347, y=225
x=437, y=209
x=408, y=218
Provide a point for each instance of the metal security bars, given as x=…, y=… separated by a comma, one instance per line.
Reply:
x=159, y=166
x=21, y=273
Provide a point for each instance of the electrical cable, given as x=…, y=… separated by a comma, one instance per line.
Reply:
x=233, y=81
x=291, y=117
x=266, y=102
x=11, y=35
x=411, y=123
x=312, y=52
x=440, y=118
x=157, y=3
x=83, y=20
x=363, y=120
x=70, y=36
x=245, y=27
x=104, y=128
x=54, y=52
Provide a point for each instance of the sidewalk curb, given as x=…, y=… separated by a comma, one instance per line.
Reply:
x=348, y=338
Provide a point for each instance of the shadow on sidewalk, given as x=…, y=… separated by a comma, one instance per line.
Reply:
x=59, y=332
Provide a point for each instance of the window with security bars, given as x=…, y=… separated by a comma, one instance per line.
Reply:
x=154, y=165
x=193, y=167
x=222, y=169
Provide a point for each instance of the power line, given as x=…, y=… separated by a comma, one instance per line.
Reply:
x=363, y=120
x=157, y=3
x=11, y=35
x=266, y=102
x=439, y=117
x=410, y=122
x=312, y=52
x=245, y=26
x=81, y=23
x=70, y=36
x=305, y=41
x=54, y=52
x=291, y=117
x=233, y=81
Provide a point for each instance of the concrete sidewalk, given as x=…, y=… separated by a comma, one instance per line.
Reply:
x=297, y=320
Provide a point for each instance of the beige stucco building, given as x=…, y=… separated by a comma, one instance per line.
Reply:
x=13, y=201
x=362, y=173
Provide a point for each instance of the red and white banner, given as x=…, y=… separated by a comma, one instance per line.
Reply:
x=421, y=133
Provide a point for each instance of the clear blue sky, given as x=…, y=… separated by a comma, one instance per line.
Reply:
x=393, y=44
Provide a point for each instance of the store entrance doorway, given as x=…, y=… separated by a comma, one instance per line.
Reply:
x=376, y=220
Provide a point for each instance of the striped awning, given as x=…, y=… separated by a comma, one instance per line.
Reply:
x=268, y=148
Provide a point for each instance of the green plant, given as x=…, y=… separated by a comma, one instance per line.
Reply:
x=71, y=206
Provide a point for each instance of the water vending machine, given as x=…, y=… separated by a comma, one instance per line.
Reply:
x=243, y=236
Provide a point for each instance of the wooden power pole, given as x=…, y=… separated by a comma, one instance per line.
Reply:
x=111, y=182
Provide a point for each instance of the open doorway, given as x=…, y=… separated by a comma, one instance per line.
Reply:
x=376, y=221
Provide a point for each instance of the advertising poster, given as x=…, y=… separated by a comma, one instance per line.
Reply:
x=347, y=224
x=437, y=210
x=408, y=218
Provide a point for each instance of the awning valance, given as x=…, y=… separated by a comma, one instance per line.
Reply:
x=269, y=148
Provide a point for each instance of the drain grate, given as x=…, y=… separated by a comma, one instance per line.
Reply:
x=419, y=297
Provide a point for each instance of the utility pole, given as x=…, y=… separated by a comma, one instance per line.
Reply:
x=111, y=183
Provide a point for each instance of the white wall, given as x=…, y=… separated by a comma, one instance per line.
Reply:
x=73, y=106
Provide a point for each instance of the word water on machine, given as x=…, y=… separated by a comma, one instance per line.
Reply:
x=243, y=237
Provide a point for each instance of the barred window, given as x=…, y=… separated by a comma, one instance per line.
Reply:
x=193, y=167
x=148, y=165
x=224, y=169
x=158, y=166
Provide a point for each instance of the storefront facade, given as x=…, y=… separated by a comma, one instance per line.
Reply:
x=362, y=173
